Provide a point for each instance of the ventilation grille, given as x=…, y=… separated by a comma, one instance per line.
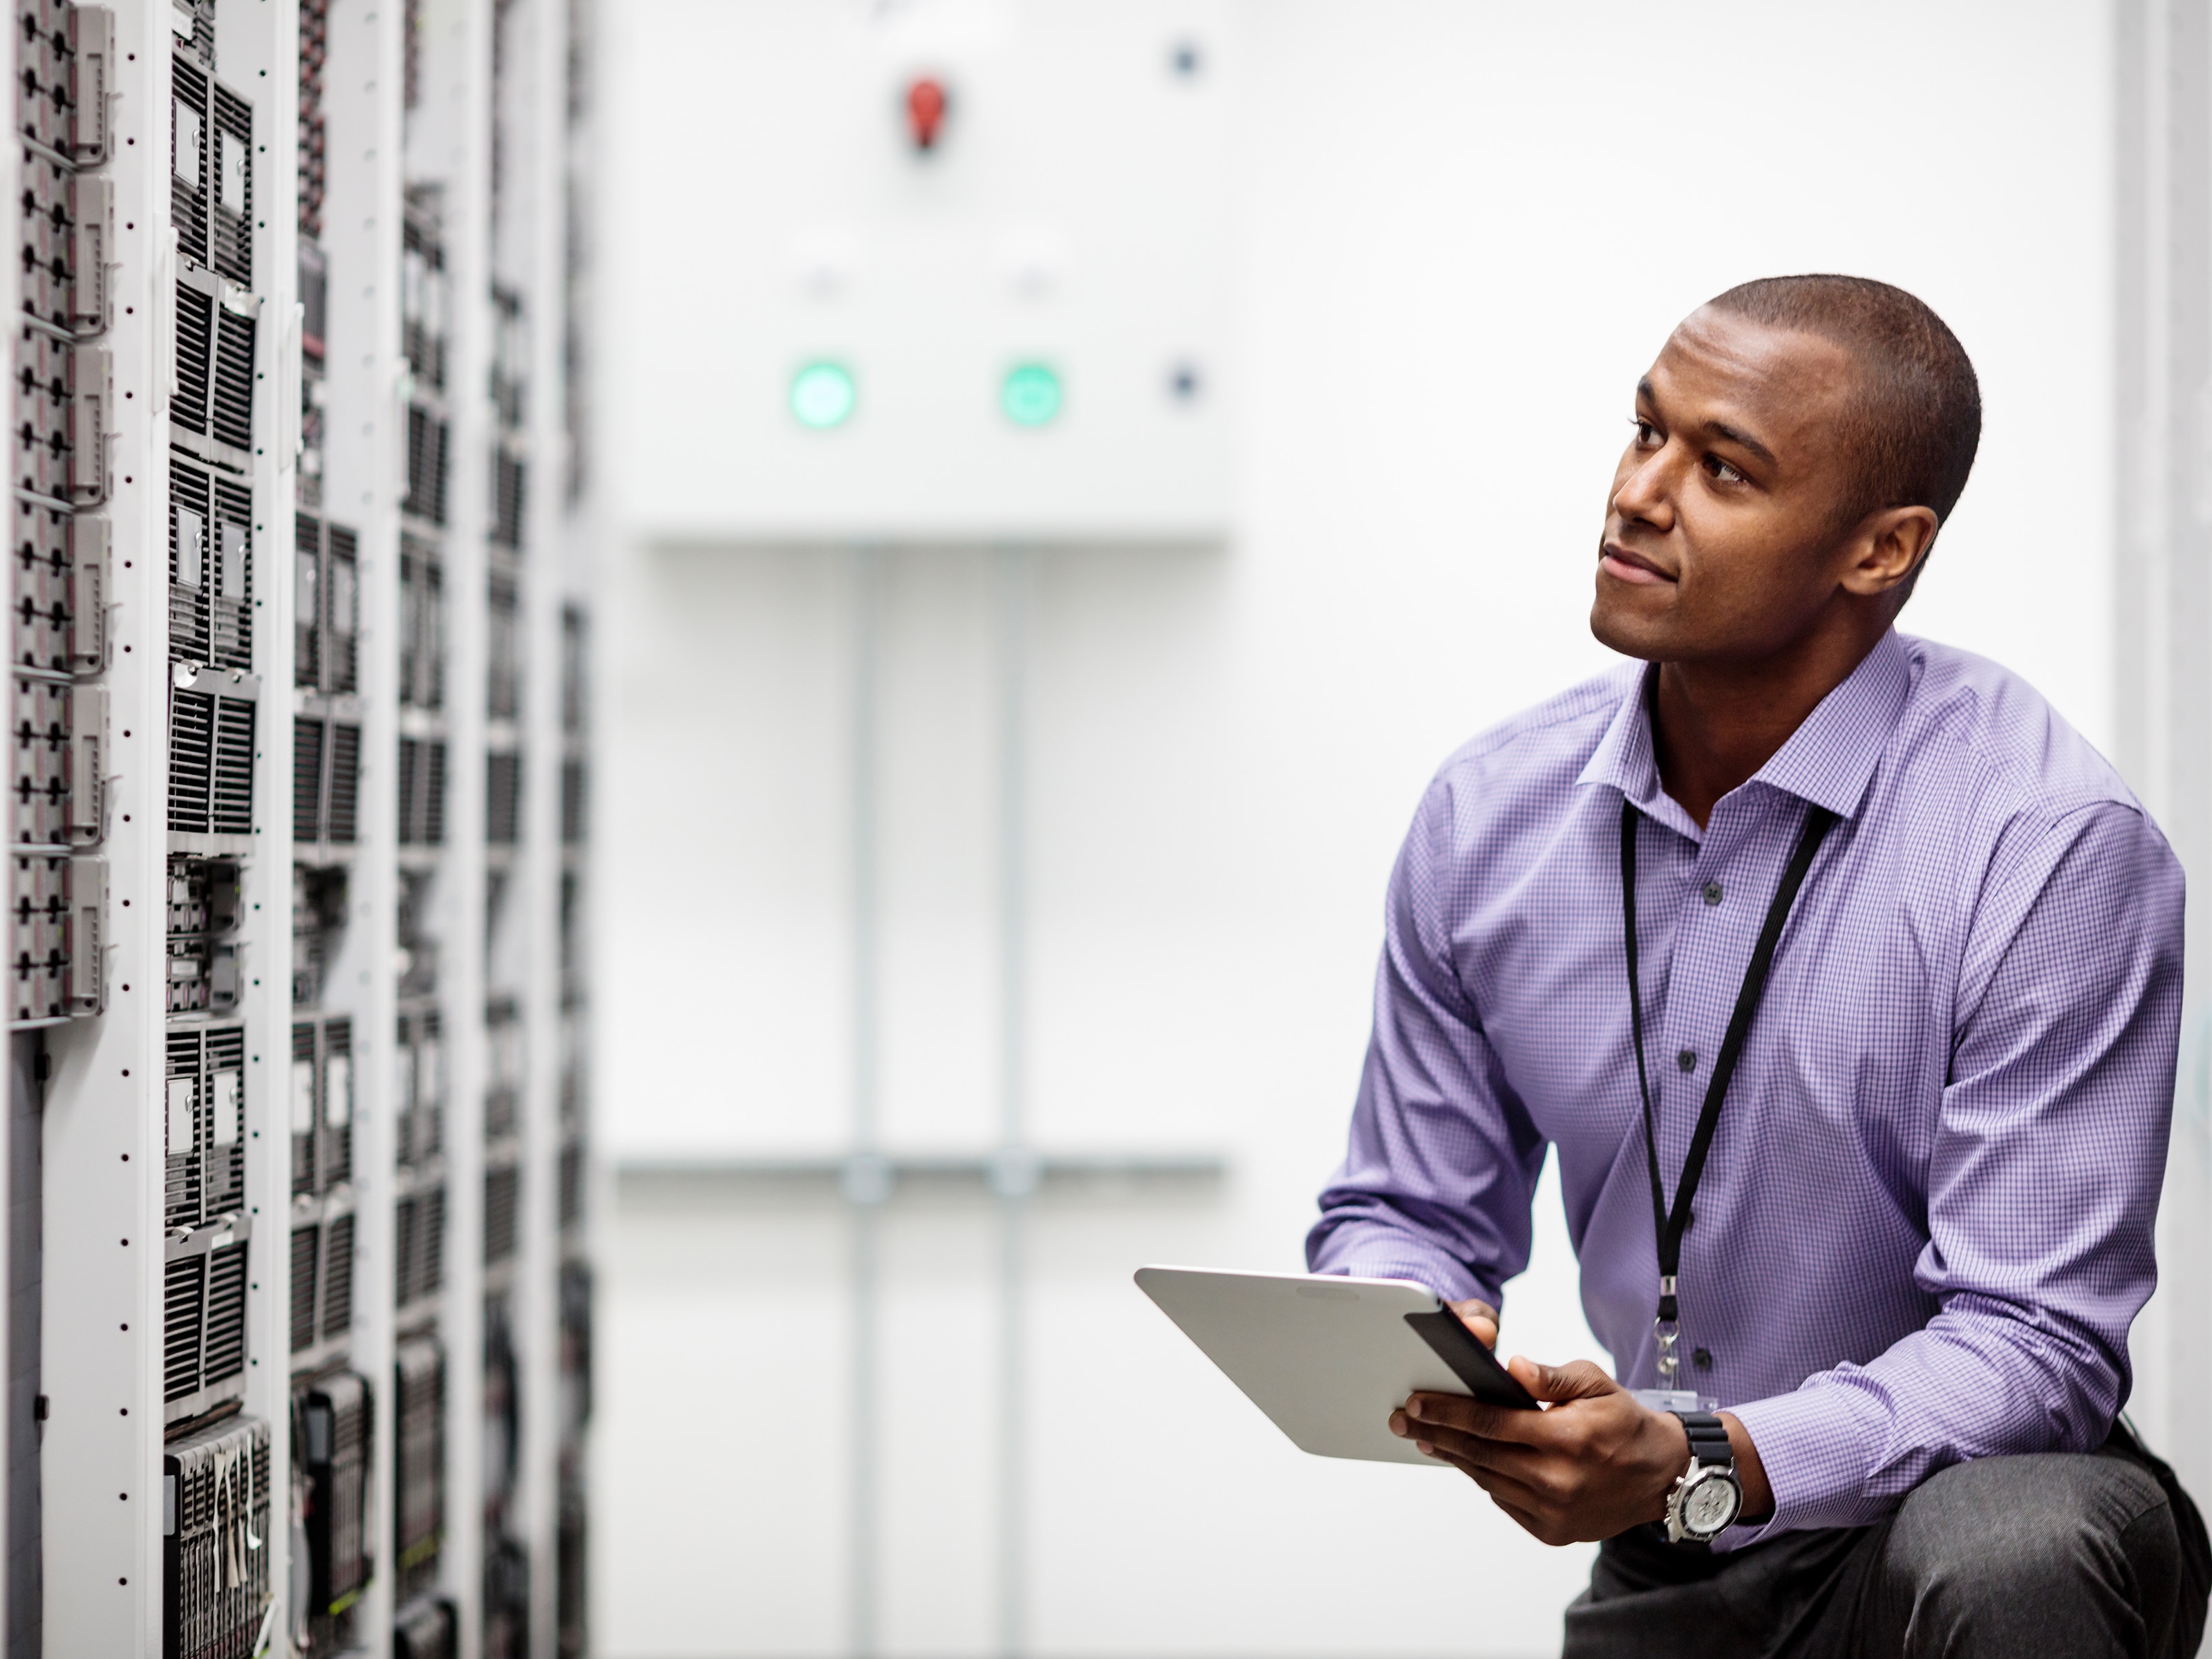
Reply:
x=502, y=1212
x=503, y=648
x=572, y=803
x=427, y=438
x=307, y=587
x=345, y=784
x=421, y=625
x=183, y=1193
x=195, y=358
x=418, y=1096
x=204, y=1320
x=306, y=1242
x=572, y=1184
x=326, y=781
x=191, y=760
x=305, y=1109
x=422, y=793
x=232, y=419
x=419, y=1249
x=210, y=764
x=507, y=496
x=189, y=143
x=211, y=568
x=226, y=1324
x=231, y=809
x=230, y=577
x=337, y=1279
x=232, y=196
x=184, y=1303
x=307, y=742
x=575, y=667
x=222, y=1097
x=193, y=538
x=203, y=1114
x=336, y=1097
x=343, y=612
x=503, y=798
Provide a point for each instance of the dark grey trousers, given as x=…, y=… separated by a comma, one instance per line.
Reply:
x=2057, y=1556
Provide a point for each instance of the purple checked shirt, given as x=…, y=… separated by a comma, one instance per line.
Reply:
x=1925, y=1225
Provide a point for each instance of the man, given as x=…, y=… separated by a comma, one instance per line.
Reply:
x=1845, y=978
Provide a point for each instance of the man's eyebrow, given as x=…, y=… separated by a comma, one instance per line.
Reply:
x=1721, y=429
x=1742, y=440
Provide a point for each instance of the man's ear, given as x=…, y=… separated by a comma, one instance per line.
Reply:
x=1889, y=548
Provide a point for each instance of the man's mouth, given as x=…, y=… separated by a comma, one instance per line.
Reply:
x=1625, y=564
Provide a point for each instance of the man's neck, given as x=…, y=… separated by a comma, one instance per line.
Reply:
x=1715, y=724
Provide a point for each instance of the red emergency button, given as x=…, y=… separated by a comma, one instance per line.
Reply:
x=926, y=101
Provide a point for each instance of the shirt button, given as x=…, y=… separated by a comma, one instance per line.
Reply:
x=1688, y=1060
x=1712, y=892
x=1703, y=1359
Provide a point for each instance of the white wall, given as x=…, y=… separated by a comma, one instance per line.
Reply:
x=1463, y=229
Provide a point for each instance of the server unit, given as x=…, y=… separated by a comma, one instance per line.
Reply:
x=319, y=911
x=205, y=901
x=215, y=1552
x=418, y=1505
x=334, y=1423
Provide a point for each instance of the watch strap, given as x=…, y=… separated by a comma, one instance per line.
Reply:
x=1709, y=1441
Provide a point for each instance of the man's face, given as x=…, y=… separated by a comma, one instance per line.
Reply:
x=1721, y=536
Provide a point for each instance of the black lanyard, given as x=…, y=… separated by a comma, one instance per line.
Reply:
x=1671, y=1224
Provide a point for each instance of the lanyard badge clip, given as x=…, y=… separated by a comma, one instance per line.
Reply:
x=1667, y=1331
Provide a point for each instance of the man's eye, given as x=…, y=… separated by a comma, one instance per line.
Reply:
x=1721, y=471
x=1647, y=434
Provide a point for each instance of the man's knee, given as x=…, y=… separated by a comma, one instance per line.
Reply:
x=2012, y=1540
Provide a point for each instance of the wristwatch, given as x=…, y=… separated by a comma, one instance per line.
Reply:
x=1705, y=1502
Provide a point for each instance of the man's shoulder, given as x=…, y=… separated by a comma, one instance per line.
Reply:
x=1973, y=719
x=1537, y=753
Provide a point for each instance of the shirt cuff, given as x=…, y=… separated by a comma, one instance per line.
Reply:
x=1814, y=1445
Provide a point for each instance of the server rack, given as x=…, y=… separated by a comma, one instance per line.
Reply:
x=293, y=333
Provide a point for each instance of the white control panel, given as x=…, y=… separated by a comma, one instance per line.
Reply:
x=926, y=270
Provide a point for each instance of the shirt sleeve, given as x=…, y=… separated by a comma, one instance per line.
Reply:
x=1438, y=1182
x=2043, y=1186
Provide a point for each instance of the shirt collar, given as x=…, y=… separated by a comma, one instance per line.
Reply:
x=1828, y=760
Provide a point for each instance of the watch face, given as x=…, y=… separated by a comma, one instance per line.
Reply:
x=1710, y=1505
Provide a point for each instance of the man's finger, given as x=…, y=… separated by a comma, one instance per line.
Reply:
x=1578, y=1379
x=1457, y=1410
x=1526, y=1508
x=1518, y=1463
x=1480, y=1317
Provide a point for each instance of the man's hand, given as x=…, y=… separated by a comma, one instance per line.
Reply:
x=1593, y=1463
x=1480, y=1317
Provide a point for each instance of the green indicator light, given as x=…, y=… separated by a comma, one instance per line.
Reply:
x=823, y=395
x=1030, y=394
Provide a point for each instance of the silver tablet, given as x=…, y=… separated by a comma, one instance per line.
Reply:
x=1329, y=1359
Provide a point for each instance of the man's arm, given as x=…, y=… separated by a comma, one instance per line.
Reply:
x=2042, y=1191
x=2043, y=1186
x=1442, y=1168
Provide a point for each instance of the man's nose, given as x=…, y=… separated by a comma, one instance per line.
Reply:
x=1646, y=495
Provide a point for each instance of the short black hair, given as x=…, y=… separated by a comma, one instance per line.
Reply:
x=1917, y=423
